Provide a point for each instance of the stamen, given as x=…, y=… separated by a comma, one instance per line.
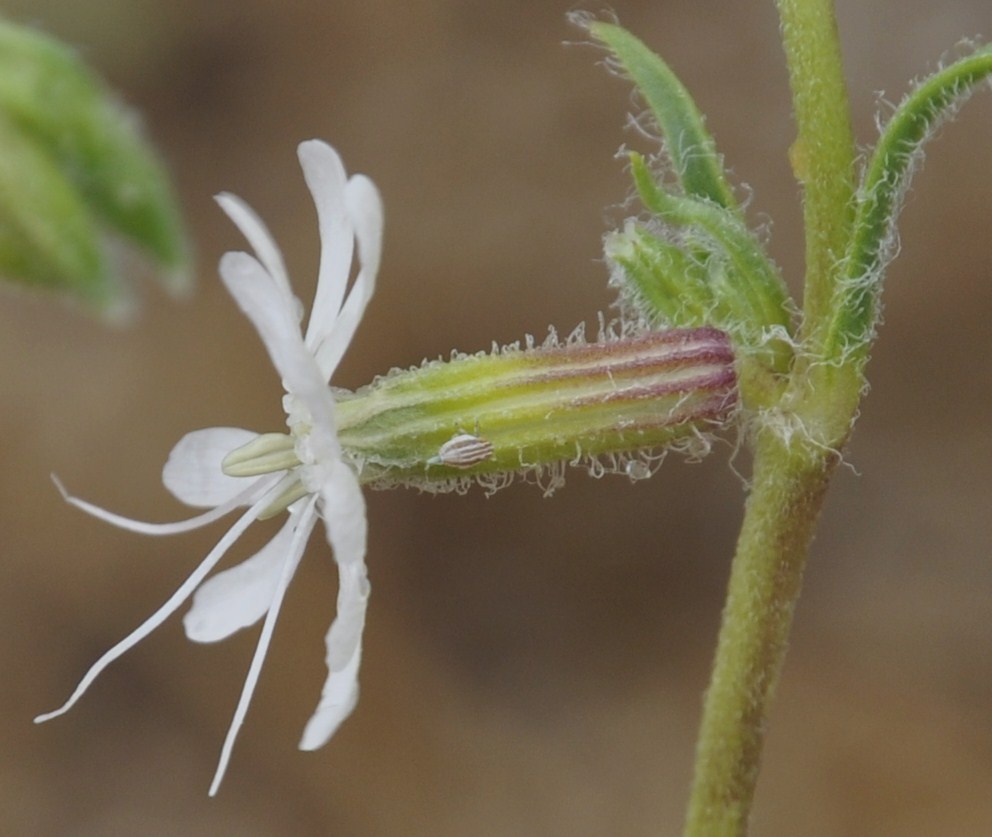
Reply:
x=264, y=454
x=292, y=492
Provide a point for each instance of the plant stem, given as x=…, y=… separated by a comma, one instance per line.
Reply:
x=791, y=469
x=789, y=483
x=823, y=154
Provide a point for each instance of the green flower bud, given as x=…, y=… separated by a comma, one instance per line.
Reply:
x=696, y=262
x=73, y=166
x=710, y=269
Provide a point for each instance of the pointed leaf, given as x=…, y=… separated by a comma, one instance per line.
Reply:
x=691, y=147
x=899, y=149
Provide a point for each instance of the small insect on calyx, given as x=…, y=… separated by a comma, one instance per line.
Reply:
x=463, y=450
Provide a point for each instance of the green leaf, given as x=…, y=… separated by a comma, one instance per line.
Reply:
x=47, y=237
x=697, y=164
x=49, y=101
x=886, y=179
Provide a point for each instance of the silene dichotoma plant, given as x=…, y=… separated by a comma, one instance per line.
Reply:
x=708, y=338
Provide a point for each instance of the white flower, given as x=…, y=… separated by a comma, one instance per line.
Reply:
x=303, y=471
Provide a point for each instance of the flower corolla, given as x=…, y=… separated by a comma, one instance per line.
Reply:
x=302, y=471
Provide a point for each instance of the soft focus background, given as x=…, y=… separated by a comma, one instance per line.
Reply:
x=532, y=666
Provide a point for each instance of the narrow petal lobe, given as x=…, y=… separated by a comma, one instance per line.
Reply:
x=163, y=613
x=258, y=236
x=307, y=518
x=326, y=179
x=343, y=509
x=365, y=209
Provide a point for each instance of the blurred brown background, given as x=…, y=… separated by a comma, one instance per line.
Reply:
x=532, y=667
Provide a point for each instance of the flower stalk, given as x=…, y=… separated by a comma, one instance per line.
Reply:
x=822, y=155
x=850, y=235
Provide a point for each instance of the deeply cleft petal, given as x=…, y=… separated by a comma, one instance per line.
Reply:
x=193, y=471
x=342, y=507
x=159, y=616
x=255, y=489
x=365, y=209
x=344, y=654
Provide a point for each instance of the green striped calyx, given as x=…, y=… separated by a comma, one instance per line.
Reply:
x=614, y=405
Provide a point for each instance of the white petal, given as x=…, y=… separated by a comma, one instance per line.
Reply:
x=270, y=311
x=326, y=178
x=166, y=610
x=266, y=307
x=193, y=471
x=239, y=597
x=343, y=510
x=344, y=655
x=307, y=518
x=253, y=228
x=344, y=518
x=251, y=493
x=365, y=209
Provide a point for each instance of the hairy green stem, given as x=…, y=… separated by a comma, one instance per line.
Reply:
x=823, y=153
x=786, y=496
x=795, y=449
